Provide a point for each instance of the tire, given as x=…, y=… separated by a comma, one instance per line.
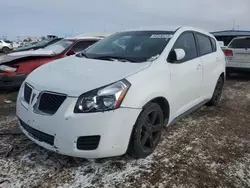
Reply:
x=5, y=49
x=147, y=131
x=217, y=92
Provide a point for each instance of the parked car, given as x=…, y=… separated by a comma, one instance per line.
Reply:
x=14, y=67
x=116, y=97
x=5, y=46
x=238, y=55
x=37, y=45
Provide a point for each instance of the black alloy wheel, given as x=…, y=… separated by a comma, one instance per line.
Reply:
x=147, y=131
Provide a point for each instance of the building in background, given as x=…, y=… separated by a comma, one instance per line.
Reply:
x=227, y=35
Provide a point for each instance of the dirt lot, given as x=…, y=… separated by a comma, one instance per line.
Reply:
x=210, y=148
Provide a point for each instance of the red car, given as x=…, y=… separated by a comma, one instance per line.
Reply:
x=14, y=67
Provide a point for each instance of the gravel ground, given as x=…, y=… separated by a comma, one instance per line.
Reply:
x=210, y=148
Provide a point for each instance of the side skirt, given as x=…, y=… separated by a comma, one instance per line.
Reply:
x=191, y=110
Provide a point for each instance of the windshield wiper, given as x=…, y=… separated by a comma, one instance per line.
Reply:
x=113, y=58
x=81, y=54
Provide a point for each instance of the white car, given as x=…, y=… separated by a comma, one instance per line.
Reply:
x=5, y=46
x=109, y=100
x=238, y=55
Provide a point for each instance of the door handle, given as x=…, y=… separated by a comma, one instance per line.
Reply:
x=199, y=66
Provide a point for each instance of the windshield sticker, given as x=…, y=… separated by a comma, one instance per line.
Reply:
x=161, y=36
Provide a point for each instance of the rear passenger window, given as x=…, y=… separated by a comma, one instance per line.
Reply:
x=187, y=42
x=214, y=47
x=205, y=45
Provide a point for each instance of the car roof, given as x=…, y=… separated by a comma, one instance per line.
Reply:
x=244, y=37
x=155, y=28
x=171, y=28
x=87, y=36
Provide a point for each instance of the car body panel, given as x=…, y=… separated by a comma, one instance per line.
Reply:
x=112, y=143
x=87, y=68
x=184, y=86
x=36, y=46
x=27, y=61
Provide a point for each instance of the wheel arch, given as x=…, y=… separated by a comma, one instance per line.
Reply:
x=164, y=104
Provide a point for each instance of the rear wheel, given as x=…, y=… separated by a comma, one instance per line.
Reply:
x=147, y=131
x=6, y=49
x=217, y=92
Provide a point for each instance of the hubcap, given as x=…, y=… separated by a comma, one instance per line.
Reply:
x=151, y=131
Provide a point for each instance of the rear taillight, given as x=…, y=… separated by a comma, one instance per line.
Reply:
x=228, y=52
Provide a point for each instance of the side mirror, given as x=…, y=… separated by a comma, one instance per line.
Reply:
x=70, y=52
x=176, y=55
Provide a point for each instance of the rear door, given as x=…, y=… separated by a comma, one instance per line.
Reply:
x=210, y=62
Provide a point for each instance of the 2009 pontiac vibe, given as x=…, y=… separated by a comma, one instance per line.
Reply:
x=117, y=95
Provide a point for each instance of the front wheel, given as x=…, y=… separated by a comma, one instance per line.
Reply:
x=6, y=49
x=147, y=131
x=217, y=92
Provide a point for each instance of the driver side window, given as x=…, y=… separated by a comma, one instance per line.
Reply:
x=186, y=41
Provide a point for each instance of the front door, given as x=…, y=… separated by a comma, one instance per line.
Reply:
x=186, y=75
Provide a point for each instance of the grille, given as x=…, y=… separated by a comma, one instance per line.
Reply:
x=38, y=135
x=49, y=102
x=27, y=93
x=88, y=142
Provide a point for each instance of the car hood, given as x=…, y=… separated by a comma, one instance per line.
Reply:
x=32, y=52
x=19, y=55
x=25, y=48
x=74, y=75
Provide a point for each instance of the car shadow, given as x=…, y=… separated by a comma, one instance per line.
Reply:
x=239, y=77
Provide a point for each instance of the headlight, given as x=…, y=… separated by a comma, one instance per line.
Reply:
x=103, y=99
x=7, y=68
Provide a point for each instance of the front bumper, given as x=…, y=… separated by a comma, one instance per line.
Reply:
x=8, y=82
x=113, y=127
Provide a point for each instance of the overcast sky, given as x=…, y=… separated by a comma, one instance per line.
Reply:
x=41, y=17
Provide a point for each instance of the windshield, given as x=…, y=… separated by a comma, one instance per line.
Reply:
x=42, y=43
x=240, y=43
x=59, y=46
x=134, y=46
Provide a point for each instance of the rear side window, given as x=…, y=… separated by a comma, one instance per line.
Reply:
x=240, y=43
x=187, y=42
x=82, y=45
x=214, y=47
x=205, y=46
